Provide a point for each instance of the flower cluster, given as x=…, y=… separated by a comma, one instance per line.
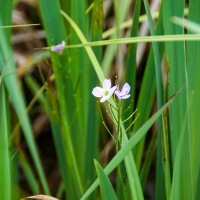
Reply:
x=107, y=91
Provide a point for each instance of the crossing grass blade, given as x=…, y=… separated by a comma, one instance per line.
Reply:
x=120, y=16
x=158, y=38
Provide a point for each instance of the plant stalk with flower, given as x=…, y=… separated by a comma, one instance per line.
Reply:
x=107, y=92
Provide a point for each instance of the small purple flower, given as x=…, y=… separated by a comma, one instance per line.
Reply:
x=124, y=94
x=58, y=48
x=106, y=92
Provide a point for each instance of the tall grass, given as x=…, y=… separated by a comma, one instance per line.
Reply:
x=164, y=90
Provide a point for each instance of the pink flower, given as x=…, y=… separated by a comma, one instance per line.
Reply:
x=106, y=92
x=124, y=94
x=59, y=47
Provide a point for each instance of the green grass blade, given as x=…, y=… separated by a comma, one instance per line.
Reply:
x=15, y=194
x=6, y=15
x=112, y=50
x=92, y=136
x=79, y=67
x=181, y=165
x=55, y=31
x=156, y=58
x=148, y=160
x=159, y=89
x=197, y=186
x=88, y=49
x=147, y=93
x=191, y=26
x=107, y=191
x=5, y=184
x=128, y=147
x=33, y=184
x=166, y=153
x=177, y=80
x=158, y=38
x=193, y=68
x=130, y=69
x=176, y=65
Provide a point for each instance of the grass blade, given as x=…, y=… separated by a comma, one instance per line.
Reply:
x=130, y=69
x=5, y=184
x=159, y=89
x=193, y=68
x=107, y=191
x=92, y=137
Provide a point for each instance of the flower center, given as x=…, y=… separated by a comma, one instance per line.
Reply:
x=106, y=92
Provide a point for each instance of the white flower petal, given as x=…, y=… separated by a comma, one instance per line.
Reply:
x=111, y=91
x=106, y=84
x=104, y=98
x=98, y=92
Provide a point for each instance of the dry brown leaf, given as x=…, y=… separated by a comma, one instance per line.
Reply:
x=41, y=197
